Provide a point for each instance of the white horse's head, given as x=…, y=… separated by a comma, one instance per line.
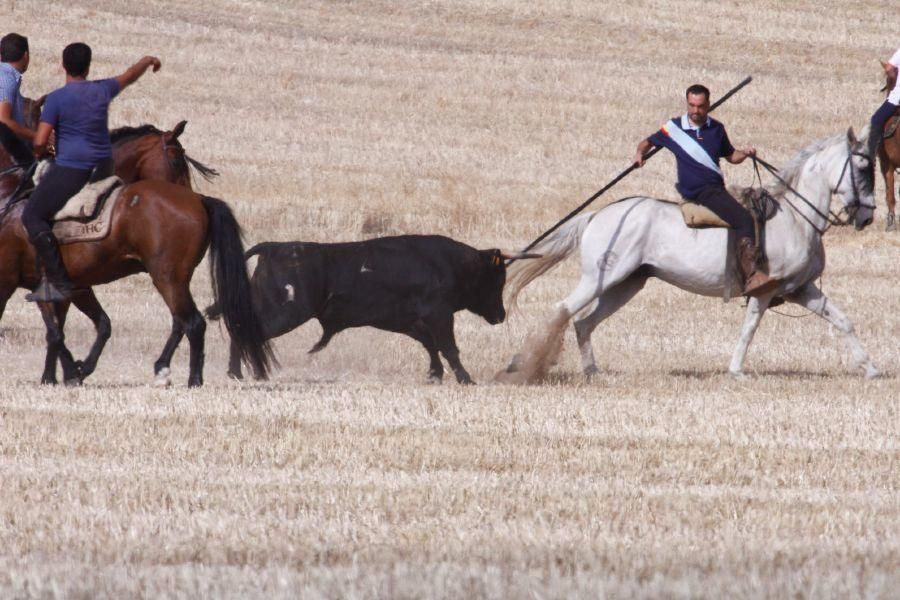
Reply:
x=854, y=183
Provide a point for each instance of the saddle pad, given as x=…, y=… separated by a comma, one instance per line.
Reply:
x=83, y=204
x=70, y=231
x=696, y=215
x=890, y=128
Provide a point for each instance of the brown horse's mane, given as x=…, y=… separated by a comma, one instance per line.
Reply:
x=123, y=134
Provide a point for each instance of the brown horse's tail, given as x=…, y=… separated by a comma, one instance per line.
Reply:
x=231, y=288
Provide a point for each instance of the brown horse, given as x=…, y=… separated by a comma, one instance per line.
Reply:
x=139, y=242
x=889, y=156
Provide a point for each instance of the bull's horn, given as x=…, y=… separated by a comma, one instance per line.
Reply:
x=511, y=255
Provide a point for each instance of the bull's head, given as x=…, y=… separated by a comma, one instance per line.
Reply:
x=486, y=296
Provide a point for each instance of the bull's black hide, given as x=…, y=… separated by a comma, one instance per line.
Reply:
x=411, y=284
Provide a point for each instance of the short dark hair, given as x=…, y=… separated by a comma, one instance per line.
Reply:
x=77, y=59
x=13, y=47
x=697, y=90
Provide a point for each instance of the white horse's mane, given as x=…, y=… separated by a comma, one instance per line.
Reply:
x=794, y=167
x=792, y=170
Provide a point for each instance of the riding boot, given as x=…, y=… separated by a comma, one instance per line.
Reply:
x=55, y=285
x=756, y=282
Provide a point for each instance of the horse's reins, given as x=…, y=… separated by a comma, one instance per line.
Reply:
x=831, y=218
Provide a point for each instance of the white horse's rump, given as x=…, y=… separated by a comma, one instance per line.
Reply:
x=629, y=241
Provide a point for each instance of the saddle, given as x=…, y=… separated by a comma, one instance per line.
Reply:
x=761, y=204
x=87, y=216
x=893, y=123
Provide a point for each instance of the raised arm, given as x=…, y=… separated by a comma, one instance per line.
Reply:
x=136, y=70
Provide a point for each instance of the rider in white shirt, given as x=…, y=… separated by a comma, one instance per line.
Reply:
x=888, y=108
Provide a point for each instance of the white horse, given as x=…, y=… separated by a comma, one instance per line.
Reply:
x=629, y=241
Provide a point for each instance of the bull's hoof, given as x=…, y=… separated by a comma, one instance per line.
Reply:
x=73, y=381
x=591, y=372
x=434, y=379
x=163, y=378
x=49, y=380
x=891, y=223
x=236, y=375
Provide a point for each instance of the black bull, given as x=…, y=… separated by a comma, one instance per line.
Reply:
x=410, y=284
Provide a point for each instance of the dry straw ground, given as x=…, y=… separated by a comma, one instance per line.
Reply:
x=346, y=476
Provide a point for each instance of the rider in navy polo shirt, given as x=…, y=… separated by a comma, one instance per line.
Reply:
x=78, y=112
x=698, y=142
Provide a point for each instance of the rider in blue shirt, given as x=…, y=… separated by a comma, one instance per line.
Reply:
x=78, y=113
x=698, y=142
x=15, y=136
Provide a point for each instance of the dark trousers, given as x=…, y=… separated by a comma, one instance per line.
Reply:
x=54, y=189
x=876, y=126
x=18, y=149
x=717, y=199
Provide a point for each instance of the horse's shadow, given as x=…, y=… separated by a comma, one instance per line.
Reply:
x=803, y=374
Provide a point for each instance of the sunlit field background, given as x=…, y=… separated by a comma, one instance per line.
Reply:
x=346, y=475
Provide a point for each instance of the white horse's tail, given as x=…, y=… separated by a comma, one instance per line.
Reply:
x=555, y=248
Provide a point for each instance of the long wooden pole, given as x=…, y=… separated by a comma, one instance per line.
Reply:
x=624, y=174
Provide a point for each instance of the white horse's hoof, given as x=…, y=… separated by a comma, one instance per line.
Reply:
x=738, y=375
x=872, y=372
x=162, y=378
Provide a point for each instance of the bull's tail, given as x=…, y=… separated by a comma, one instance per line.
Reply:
x=231, y=289
x=553, y=250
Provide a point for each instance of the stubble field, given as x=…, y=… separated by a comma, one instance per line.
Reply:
x=346, y=475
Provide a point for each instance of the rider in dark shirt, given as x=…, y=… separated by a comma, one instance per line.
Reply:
x=698, y=142
x=78, y=113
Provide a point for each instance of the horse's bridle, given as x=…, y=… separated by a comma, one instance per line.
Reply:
x=832, y=218
x=856, y=204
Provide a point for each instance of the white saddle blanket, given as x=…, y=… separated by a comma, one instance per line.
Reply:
x=83, y=204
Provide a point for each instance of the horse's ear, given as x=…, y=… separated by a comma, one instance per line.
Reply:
x=851, y=136
x=179, y=129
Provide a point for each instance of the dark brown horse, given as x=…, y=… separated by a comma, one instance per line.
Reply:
x=160, y=228
x=889, y=156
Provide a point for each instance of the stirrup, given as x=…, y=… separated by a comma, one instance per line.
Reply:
x=48, y=292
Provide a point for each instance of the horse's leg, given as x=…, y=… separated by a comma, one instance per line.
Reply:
x=177, y=295
x=755, y=309
x=48, y=377
x=161, y=368
x=887, y=173
x=891, y=199
x=608, y=303
x=813, y=299
x=86, y=301
x=542, y=347
x=54, y=318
